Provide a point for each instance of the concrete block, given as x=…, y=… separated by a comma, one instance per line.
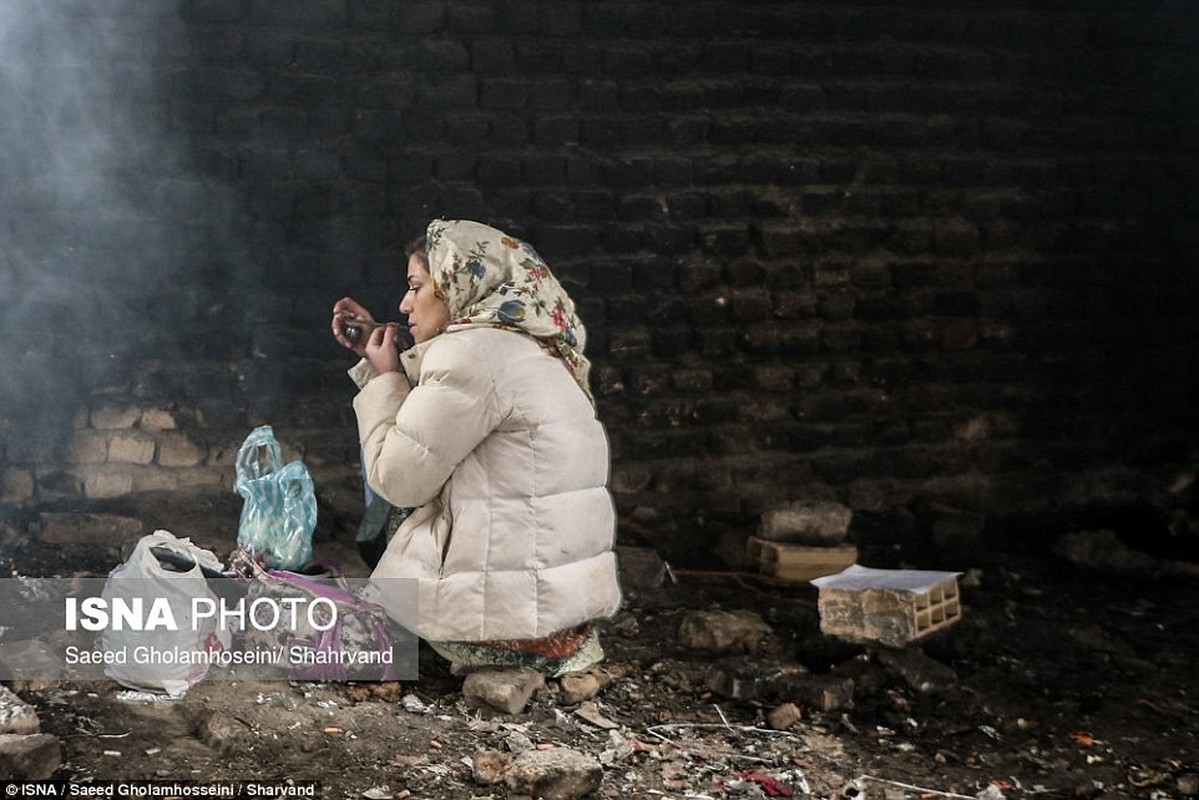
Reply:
x=796, y=562
x=892, y=607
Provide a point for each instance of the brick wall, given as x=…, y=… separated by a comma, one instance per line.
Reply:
x=887, y=253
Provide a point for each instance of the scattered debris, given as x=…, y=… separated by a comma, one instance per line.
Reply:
x=784, y=708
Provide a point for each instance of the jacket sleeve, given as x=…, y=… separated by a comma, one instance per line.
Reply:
x=413, y=439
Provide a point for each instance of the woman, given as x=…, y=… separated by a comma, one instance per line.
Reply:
x=486, y=428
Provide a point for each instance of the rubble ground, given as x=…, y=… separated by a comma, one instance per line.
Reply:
x=1055, y=682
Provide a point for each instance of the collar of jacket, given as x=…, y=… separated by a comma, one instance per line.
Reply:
x=411, y=359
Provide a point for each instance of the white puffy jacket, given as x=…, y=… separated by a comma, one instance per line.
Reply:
x=502, y=455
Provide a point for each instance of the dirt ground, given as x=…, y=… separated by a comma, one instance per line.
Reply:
x=1057, y=682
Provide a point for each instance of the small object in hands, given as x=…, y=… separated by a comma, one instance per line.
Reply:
x=355, y=329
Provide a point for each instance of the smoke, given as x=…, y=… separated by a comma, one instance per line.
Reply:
x=87, y=220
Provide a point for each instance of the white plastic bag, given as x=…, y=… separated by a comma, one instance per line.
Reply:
x=150, y=654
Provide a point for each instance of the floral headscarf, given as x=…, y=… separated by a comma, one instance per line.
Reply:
x=491, y=279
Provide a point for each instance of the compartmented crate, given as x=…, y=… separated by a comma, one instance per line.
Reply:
x=892, y=607
x=795, y=562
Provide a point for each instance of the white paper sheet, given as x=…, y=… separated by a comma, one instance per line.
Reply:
x=855, y=578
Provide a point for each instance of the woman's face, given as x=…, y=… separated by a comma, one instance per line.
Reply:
x=427, y=313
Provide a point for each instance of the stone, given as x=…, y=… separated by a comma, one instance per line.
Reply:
x=16, y=716
x=784, y=717
x=158, y=419
x=103, y=481
x=816, y=523
x=131, y=447
x=557, y=774
x=575, y=687
x=489, y=767
x=640, y=567
x=176, y=449
x=30, y=757
x=722, y=631
x=87, y=447
x=508, y=691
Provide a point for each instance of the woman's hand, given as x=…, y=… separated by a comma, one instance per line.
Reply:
x=382, y=348
x=345, y=312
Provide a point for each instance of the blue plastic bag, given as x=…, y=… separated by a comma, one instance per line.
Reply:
x=279, y=512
